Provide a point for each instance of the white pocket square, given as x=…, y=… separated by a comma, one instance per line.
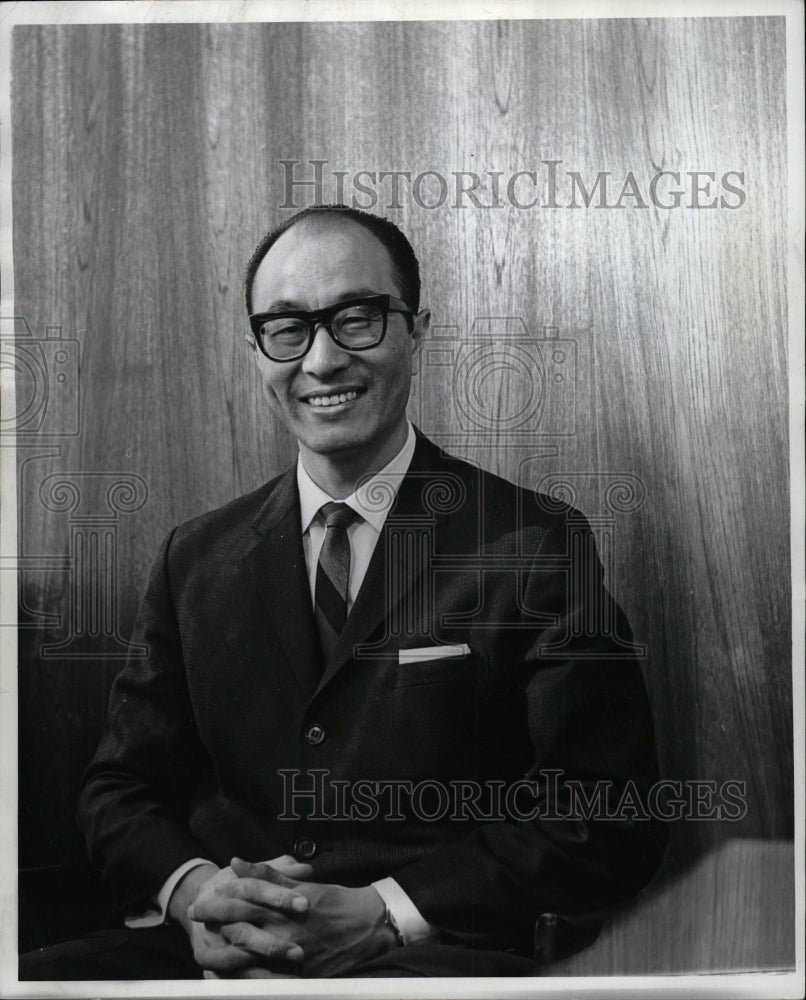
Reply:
x=431, y=653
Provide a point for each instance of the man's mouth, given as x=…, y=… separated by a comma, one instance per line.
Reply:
x=331, y=399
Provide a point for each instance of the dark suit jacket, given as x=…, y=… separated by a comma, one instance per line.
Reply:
x=199, y=730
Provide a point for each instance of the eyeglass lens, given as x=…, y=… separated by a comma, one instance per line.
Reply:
x=356, y=326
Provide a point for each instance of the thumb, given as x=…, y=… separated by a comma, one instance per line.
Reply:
x=269, y=872
x=288, y=865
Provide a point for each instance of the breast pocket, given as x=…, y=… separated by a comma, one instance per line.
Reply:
x=438, y=670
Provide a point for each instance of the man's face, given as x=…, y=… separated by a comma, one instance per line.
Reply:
x=313, y=266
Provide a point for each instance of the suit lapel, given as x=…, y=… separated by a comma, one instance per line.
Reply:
x=395, y=569
x=277, y=563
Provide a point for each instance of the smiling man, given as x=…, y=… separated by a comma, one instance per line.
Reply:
x=343, y=392
x=392, y=682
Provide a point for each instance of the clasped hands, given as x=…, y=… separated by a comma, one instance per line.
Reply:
x=263, y=920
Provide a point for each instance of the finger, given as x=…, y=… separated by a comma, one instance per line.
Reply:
x=267, y=894
x=223, y=959
x=260, y=942
x=288, y=865
x=251, y=972
x=246, y=891
x=225, y=910
x=266, y=872
x=256, y=972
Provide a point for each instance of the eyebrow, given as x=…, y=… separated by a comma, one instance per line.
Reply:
x=286, y=305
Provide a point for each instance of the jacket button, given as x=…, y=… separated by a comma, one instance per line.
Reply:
x=314, y=735
x=305, y=848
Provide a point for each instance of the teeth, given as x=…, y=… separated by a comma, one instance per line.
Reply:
x=341, y=397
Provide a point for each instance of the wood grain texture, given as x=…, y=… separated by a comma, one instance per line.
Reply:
x=146, y=169
x=734, y=911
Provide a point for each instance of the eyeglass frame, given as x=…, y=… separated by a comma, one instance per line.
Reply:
x=324, y=317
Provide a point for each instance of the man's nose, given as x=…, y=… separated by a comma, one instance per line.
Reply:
x=325, y=355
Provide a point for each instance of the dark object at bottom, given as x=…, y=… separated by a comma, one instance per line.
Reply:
x=66, y=905
x=60, y=902
x=559, y=937
x=164, y=953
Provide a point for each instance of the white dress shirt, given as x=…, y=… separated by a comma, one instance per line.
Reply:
x=372, y=501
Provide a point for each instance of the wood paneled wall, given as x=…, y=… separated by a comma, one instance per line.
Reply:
x=146, y=168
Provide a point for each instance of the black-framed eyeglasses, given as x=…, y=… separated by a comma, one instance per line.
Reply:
x=356, y=325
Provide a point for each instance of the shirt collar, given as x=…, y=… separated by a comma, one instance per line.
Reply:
x=371, y=500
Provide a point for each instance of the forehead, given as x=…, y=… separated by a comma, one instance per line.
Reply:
x=316, y=262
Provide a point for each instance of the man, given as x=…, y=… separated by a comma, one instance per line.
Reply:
x=334, y=654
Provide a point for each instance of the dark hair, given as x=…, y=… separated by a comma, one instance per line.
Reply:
x=405, y=266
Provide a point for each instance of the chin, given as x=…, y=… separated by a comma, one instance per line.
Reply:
x=339, y=439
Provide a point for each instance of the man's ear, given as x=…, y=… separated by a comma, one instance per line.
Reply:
x=422, y=321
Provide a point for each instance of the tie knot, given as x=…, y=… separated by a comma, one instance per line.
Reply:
x=338, y=515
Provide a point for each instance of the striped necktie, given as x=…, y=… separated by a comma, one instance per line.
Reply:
x=333, y=575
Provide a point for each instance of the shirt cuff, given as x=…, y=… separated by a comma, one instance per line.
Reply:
x=413, y=927
x=157, y=913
